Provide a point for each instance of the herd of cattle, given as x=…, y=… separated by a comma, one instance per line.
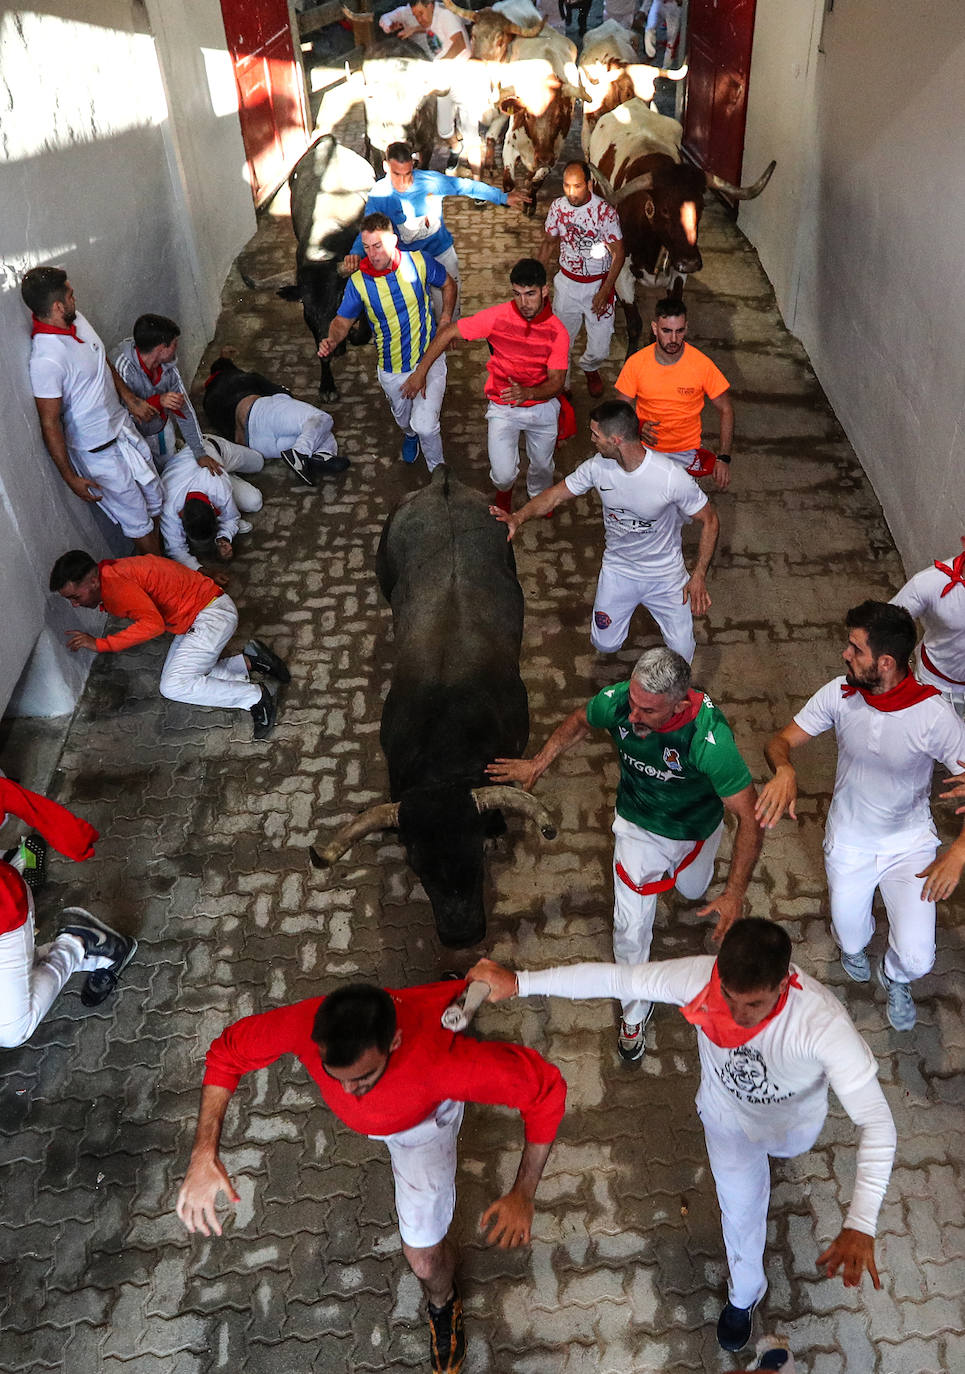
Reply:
x=457, y=700
x=522, y=81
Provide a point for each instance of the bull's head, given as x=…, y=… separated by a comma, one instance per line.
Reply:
x=443, y=829
x=493, y=32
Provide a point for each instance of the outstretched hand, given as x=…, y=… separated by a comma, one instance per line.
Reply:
x=506, y=518
x=695, y=591
x=509, y=1221
x=776, y=797
x=197, y=1204
x=942, y=875
x=502, y=981
x=513, y=770
x=854, y=1252
x=954, y=785
x=727, y=909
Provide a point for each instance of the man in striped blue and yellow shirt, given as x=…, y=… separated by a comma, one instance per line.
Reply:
x=393, y=289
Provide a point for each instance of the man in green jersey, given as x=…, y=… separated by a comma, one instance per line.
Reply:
x=679, y=770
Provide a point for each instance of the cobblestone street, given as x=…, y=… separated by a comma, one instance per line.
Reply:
x=203, y=856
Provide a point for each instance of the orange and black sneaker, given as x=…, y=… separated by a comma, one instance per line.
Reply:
x=447, y=1336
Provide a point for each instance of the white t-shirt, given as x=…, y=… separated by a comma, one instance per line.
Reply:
x=60, y=367
x=182, y=474
x=643, y=512
x=885, y=765
x=583, y=232
x=775, y=1084
x=436, y=39
x=944, y=620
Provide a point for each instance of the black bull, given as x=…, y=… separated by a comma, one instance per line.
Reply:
x=456, y=701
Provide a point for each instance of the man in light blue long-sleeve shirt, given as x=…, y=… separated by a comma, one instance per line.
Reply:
x=412, y=199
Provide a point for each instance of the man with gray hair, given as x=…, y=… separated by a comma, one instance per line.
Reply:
x=679, y=770
x=647, y=498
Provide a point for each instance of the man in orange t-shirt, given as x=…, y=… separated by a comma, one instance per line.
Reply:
x=157, y=594
x=667, y=383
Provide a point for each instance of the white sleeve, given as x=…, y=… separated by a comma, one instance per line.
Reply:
x=172, y=533
x=684, y=492
x=129, y=374
x=582, y=479
x=673, y=980
x=869, y=1110
x=230, y=515
x=402, y=15
x=913, y=595
x=947, y=737
x=46, y=379
x=819, y=714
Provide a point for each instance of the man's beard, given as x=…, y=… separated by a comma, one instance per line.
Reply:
x=69, y=317
x=869, y=682
x=641, y=731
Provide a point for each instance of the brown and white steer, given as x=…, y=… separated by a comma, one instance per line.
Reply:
x=610, y=74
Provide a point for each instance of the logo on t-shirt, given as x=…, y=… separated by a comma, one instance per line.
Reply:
x=671, y=758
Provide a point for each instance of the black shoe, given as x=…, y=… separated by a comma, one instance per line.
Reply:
x=265, y=660
x=452, y=161
x=29, y=858
x=298, y=462
x=263, y=714
x=447, y=1336
x=98, y=938
x=734, y=1326
x=327, y=464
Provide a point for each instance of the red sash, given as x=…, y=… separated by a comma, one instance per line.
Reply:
x=926, y=661
x=38, y=327
x=658, y=884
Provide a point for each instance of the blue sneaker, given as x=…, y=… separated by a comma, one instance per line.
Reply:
x=410, y=448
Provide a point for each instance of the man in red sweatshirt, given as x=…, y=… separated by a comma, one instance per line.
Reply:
x=387, y=1068
x=157, y=594
x=31, y=978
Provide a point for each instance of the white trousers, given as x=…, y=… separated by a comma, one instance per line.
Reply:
x=572, y=304
x=194, y=671
x=617, y=597
x=683, y=456
x=235, y=459
x=130, y=489
x=420, y=416
x=539, y=424
x=742, y=1176
x=279, y=422
x=645, y=858
x=424, y=1170
x=31, y=979
x=853, y=875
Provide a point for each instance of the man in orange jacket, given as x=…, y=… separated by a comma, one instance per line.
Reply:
x=157, y=594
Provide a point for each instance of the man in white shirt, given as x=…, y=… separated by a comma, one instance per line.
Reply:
x=591, y=256
x=771, y=1040
x=83, y=408
x=936, y=597
x=890, y=731
x=442, y=36
x=646, y=500
x=200, y=514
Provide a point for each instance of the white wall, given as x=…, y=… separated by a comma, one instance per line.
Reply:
x=861, y=233
x=121, y=160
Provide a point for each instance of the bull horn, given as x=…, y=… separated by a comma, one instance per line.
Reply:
x=640, y=183
x=602, y=183
x=272, y=283
x=354, y=18
x=677, y=74
x=531, y=32
x=383, y=817
x=570, y=92
x=514, y=799
x=468, y=16
x=717, y=183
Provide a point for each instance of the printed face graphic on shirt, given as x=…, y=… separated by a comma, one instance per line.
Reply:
x=745, y=1075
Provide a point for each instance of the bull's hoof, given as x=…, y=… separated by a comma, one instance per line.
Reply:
x=548, y=832
x=328, y=394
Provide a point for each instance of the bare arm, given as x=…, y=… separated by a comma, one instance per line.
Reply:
x=725, y=409
x=449, y=293
x=206, y=1177
x=780, y=794
x=446, y=336
x=337, y=333
x=601, y=299
x=509, y=1221
x=542, y=504
x=575, y=727
x=52, y=430
x=549, y=243
x=695, y=589
x=135, y=405
x=747, y=847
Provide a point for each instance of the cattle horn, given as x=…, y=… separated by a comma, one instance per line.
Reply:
x=354, y=18
x=677, y=74
x=382, y=817
x=531, y=32
x=602, y=183
x=514, y=799
x=640, y=183
x=468, y=16
x=717, y=183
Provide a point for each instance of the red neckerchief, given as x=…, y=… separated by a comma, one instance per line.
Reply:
x=200, y=496
x=153, y=374
x=953, y=573
x=38, y=327
x=907, y=693
x=539, y=318
x=683, y=717
x=370, y=271
x=709, y=1012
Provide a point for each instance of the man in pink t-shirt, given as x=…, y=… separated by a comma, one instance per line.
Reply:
x=526, y=371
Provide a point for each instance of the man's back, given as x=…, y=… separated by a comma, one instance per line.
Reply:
x=156, y=593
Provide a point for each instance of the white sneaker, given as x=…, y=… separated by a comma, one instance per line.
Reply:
x=901, y=1005
x=857, y=966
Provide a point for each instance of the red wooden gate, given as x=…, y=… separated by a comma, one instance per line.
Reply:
x=720, y=34
x=270, y=88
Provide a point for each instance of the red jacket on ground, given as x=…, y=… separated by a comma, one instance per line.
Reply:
x=430, y=1066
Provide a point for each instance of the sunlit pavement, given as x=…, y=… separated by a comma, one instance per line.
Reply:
x=203, y=856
